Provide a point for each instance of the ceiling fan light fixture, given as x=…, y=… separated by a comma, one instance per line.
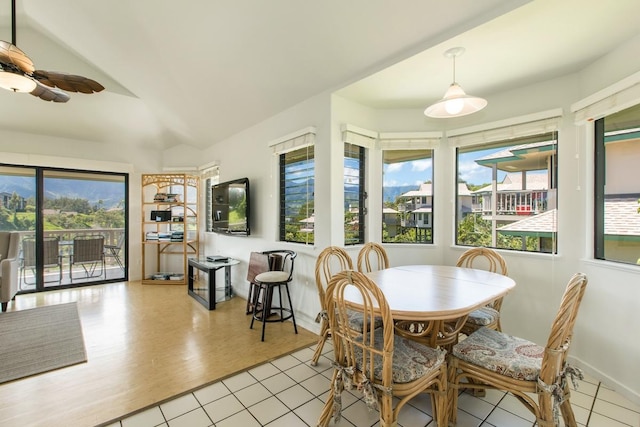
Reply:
x=16, y=82
x=455, y=102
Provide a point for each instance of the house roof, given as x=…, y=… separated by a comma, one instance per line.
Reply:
x=622, y=221
x=513, y=182
x=463, y=190
x=541, y=225
x=523, y=157
x=425, y=190
x=621, y=217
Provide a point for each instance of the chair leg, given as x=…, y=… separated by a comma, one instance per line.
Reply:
x=565, y=407
x=266, y=307
x=452, y=392
x=324, y=335
x=545, y=404
x=4, y=306
x=293, y=317
x=255, y=299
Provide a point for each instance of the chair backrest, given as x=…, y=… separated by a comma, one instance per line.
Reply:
x=88, y=248
x=281, y=260
x=51, y=249
x=9, y=244
x=258, y=263
x=559, y=341
x=331, y=260
x=484, y=258
x=377, y=252
x=351, y=347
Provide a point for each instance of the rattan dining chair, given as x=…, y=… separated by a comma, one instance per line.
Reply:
x=371, y=257
x=489, y=315
x=491, y=359
x=330, y=261
x=386, y=368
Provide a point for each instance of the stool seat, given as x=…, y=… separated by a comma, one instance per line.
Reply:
x=272, y=277
x=281, y=273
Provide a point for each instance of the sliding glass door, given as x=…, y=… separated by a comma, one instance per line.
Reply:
x=72, y=224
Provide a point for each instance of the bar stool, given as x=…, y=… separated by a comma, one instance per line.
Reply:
x=281, y=263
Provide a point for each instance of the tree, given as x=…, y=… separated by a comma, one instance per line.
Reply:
x=15, y=202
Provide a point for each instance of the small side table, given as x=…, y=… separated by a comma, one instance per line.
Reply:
x=210, y=268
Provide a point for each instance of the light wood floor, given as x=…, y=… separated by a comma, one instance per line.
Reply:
x=145, y=344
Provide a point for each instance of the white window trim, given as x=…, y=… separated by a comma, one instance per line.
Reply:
x=503, y=130
x=302, y=138
x=614, y=98
x=409, y=140
x=359, y=136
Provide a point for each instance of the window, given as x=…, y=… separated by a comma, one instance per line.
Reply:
x=507, y=194
x=354, y=194
x=407, y=196
x=297, y=177
x=617, y=186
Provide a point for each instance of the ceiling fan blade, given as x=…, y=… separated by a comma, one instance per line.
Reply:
x=10, y=53
x=68, y=82
x=49, y=94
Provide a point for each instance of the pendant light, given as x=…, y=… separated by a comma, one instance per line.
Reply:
x=455, y=103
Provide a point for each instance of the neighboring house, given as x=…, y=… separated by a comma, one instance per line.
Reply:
x=309, y=224
x=5, y=201
x=415, y=209
x=527, y=189
x=517, y=194
x=542, y=226
x=391, y=220
x=621, y=229
x=465, y=201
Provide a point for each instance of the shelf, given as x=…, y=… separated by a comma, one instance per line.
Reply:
x=167, y=255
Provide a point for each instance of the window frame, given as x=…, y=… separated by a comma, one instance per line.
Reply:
x=428, y=240
x=552, y=178
x=602, y=137
x=309, y=196
x=362, y=194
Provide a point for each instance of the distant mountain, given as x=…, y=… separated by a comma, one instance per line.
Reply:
x=111, y=193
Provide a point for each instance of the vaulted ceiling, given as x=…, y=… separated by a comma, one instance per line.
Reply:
x=195, y=72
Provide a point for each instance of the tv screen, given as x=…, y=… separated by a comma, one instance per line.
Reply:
x=230, y=204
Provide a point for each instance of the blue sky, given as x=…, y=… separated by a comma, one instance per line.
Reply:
x=413, y=172
x=418, y=171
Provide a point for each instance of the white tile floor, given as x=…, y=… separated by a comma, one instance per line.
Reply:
x=288, y=392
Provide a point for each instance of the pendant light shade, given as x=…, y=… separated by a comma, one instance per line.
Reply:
x=455, y=103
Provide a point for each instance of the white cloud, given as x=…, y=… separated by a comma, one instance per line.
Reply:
x=394, y=167
x=473, y=173
x=421, y=165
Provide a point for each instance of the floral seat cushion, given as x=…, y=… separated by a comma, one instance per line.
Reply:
x=411, y=360
x=501, y=353
x=483, y=316
x=356, y=321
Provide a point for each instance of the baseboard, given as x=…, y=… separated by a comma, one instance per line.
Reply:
x=618, y=387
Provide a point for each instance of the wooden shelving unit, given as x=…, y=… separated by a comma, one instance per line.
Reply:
x=169, y=227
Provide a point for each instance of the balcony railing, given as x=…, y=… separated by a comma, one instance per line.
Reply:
x=61, y=275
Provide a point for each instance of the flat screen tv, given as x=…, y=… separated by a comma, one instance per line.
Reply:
x=230, y=207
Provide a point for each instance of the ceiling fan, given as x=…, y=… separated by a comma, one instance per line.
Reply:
x=18, y=74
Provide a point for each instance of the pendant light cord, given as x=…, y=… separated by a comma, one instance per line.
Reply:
x=13, y=22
